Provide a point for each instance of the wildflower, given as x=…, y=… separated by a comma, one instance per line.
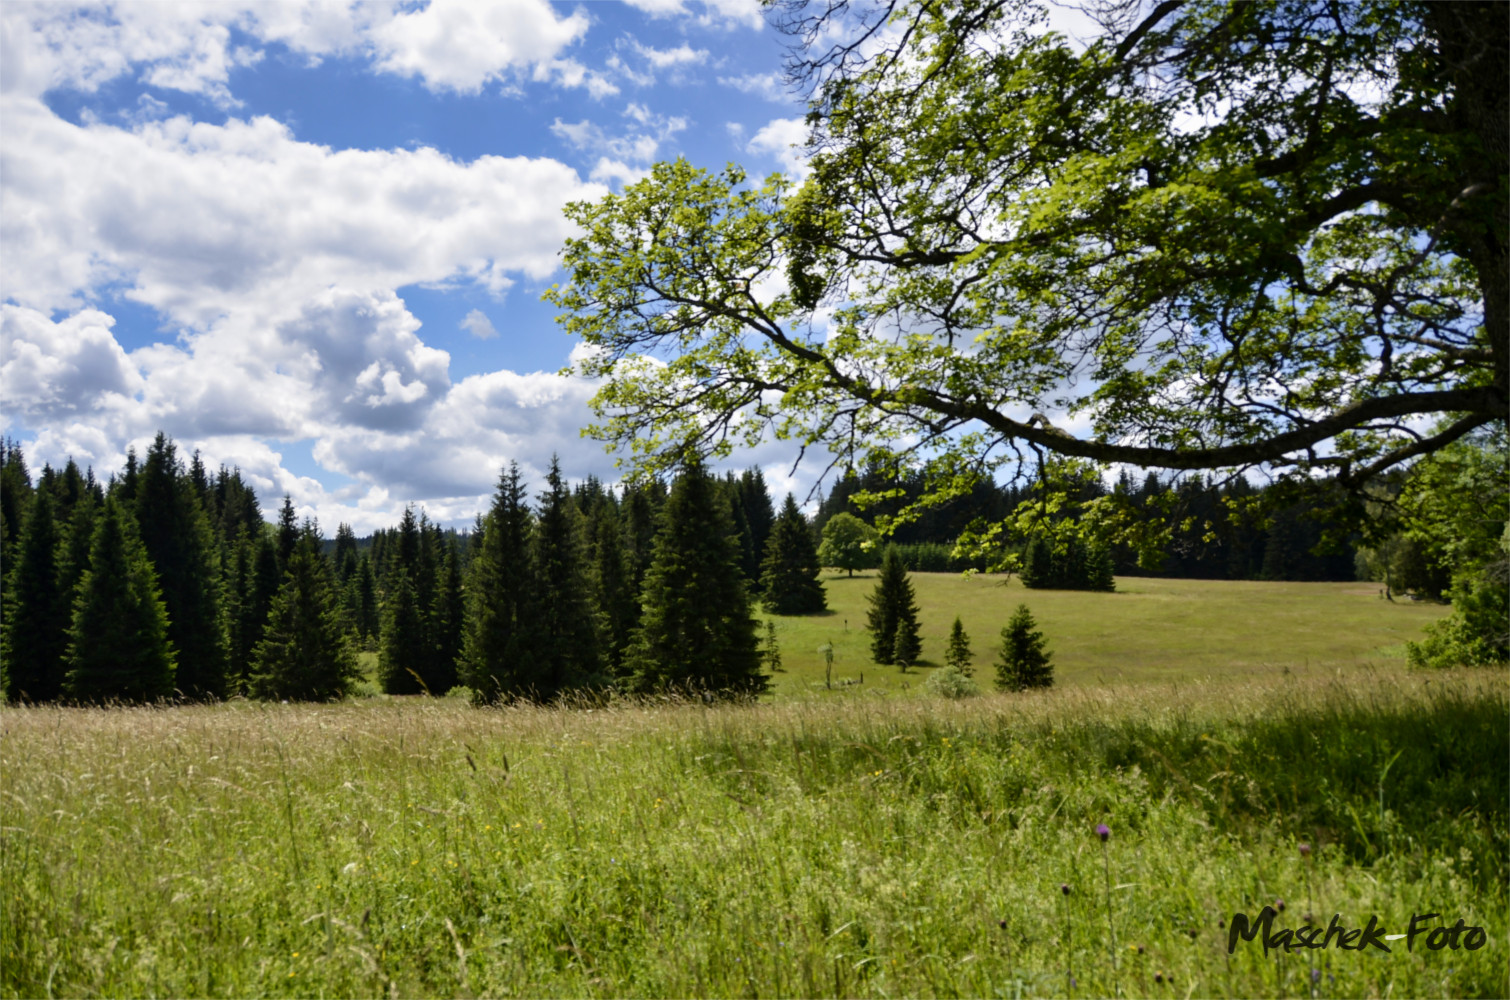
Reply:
x=1279, y=905
x=1064, y=887
x=1103, y=831
x=1305, y=850
x=1158, y=977
x=1002, y=924
x=1315, y=976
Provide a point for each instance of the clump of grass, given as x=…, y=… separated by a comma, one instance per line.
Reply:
x=869, y=846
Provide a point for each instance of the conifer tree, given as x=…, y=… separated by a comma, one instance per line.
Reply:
x=403, y=655
x=759, y=515
x=15, y=497
x=695, y=632
x=77, y=537
x=613, y=588
x=908, y=644
x=37, y=611
x=893, y=612
x=177, y=535
x=567, y=654
x=118, y=640
x=789, y=573
x=1023, y=661
x=1099, y=568
x=288, y=531
x=771, y=653
x=345, y=557
x=958, y=654
x=498, y=645
x=366, y=603
x=304, y=654
x=261, y=587
x=446, y=619
x=1038, y=565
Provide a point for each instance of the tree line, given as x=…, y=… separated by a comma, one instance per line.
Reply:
x=166, y=582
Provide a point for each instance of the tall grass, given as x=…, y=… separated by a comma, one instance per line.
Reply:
x=871, y=846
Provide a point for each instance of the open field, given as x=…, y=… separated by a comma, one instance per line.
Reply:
x=1150, y=630
x=857, y=846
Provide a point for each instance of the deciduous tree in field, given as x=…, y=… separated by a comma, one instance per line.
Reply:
x=696, y=633
x=118, y=641
x=304, y=654
x=789, y=571
x=1001, y=228
x=848, y=543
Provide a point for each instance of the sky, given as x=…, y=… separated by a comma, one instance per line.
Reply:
x=309, y=240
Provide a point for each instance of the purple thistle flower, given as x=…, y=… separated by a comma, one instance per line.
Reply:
x=1305, y=850
x=1103, y=831
x=1315, y=975
x=1064, y=887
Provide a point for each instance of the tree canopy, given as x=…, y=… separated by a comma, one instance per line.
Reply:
x=1221, y=236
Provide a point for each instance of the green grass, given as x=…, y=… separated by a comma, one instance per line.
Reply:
x=861, y=846
x=1149, y=631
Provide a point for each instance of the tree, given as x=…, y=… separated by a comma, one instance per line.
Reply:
x=567, y=647
x=181, y=544
x=789, y=572
x=958, y=654
x=848, y=543
x=304, y=654
x=771, y=652
x=1023, y=661
x=893, y=613
x=403, y=653
x=288, y=531
x=498, y=647
x=34, y=632
x=1208, y=271
x=118, y=640
x=695, y=633
x=446, y=615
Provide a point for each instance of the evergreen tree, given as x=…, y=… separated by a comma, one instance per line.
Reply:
x=403, y=655
x=759, y=516
x=958, y=654
x=566, y=653
x=303, y=654
x=1023, y=662
x=695, y=631
x=77, y=538
x=893, y=612
x=1038, y=565
x=34, y=631
x=446, y=618
x=179, y=541
x=366, y=603
x=1098, y=568
x=908, y=644
x=15, y=498
x=498, y=644
x=345, y=557
x=118, y=641
x=772, y=651
x=613, y=588
x=288, y=531
x=261, y=586
x=789, y=573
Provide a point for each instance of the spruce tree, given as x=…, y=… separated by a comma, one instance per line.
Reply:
x=696, y=633
x=789, y=573
x=366, y=604
x=1038, y=565
x=958, y=654
x=567, y=652
x=498, y=645
x=118, y=640
x=177, y=535
x=262, y=585
x=1099, y=568
x=288, y=531
x=613, y=587
x=15, y=498
x=403, y=655
x=34, y=631
x=446, y=617
x=304, y=654
x=759, y=514
x=893, y=611
x=1023, y=661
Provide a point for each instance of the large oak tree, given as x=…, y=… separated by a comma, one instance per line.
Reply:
x=1220, y=235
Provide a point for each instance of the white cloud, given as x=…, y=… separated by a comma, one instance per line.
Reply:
x=767, y=85
x=724, y=15
x=55, y=371
x=478, y=325
x=682, y=55
x=639, y=145
x=618, y=172
x=783, y=139
x=455, y=45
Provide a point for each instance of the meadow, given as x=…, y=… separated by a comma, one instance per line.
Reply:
x=866, y=841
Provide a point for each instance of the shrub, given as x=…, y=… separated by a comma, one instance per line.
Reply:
x=952, y=682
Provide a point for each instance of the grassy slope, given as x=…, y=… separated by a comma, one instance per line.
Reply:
x=867, y=846
x=1150, y=630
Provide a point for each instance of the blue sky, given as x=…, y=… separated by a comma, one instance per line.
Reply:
x=309, y=239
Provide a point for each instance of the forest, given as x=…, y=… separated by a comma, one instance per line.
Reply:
x=165, y=581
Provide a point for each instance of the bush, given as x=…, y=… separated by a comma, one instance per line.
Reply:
x=952, y=682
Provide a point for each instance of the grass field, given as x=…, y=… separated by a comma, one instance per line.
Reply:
x=840, y=844
x=1150, y=630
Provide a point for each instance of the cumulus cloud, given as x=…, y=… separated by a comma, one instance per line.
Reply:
x=57, y=370
x=449, y=45
x=639, y=144
x=724, y=15
x=478, y=325
x=783, y=139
